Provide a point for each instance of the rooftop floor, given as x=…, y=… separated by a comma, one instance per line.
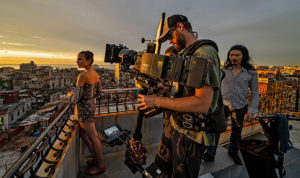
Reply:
x=222, y=167
x=116, y=168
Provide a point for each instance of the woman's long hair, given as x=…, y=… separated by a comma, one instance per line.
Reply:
x=246, y=58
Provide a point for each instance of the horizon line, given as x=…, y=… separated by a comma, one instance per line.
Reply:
x=49, y=64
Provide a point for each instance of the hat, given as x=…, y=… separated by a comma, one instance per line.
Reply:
x=170, y=23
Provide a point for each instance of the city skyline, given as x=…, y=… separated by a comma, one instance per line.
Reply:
x=53, y=32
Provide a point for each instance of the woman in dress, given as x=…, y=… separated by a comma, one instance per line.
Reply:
x=88, y=87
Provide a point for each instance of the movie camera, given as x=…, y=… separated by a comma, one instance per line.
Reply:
x=153, y=67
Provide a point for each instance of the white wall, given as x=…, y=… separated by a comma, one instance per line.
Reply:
x=15, y=112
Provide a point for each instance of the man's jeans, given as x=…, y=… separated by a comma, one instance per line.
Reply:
x=235, y=133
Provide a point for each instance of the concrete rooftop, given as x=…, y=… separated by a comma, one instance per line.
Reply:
x=222, y=167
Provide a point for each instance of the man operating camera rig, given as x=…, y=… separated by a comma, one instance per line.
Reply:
x=185, y=132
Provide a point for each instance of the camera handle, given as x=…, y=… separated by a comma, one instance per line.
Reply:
x=137, y=134
x=135, y=153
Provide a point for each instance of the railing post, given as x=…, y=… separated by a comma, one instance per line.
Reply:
x=102, y=123
x=125, y=105
x=108, y=103
x=297, y=100
x=117, y=103
x=116, y=119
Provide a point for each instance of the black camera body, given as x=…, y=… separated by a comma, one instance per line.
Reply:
x=186, y=70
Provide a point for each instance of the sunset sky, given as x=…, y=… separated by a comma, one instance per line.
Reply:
x=54, y=31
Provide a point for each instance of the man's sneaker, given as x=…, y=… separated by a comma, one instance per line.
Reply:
x=208, y=157
x=236, y=158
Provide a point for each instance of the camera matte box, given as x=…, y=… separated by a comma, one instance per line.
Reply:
x=153, y=65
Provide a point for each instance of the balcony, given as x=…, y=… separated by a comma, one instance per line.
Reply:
x=58, y=151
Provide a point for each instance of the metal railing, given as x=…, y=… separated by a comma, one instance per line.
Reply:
x=117, y=100
x=279, y=97
x=274, y=97
x=50, y=142
x=30, y=162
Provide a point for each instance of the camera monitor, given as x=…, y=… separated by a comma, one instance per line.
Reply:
x=113, y=132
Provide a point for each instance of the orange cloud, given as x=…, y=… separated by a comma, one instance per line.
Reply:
x=16, y=44
x=20, y=60
x=14, y=53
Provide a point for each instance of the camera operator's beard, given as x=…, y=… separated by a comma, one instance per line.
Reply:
x=179, y=42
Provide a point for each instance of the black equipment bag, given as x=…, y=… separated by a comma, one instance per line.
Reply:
x=259, y=158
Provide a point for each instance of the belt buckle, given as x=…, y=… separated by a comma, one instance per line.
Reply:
x=187, y=122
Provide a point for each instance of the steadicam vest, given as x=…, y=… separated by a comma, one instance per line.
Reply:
x=213, y=121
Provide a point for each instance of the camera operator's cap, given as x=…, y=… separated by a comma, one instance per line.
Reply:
x=170, y=23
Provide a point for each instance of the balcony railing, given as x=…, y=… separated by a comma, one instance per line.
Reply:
x=41, y=158
x=117, y=100
x=44, y=157
x=279, y=97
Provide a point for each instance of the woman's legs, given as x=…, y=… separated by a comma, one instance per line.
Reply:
x=83, y=135
x=91, y=138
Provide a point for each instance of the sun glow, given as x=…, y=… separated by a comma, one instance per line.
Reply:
x=12, y=53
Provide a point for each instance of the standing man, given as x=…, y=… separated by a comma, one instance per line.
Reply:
x=240, y=76
x=181, y=145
